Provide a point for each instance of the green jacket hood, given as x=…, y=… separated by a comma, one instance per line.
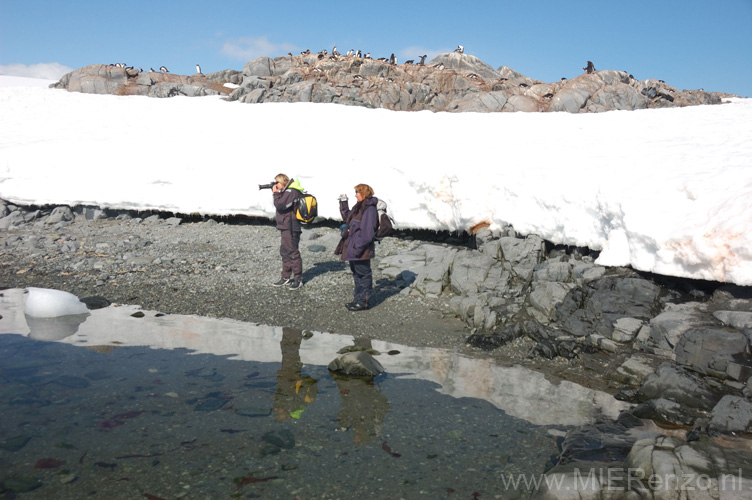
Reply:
x=295, y=184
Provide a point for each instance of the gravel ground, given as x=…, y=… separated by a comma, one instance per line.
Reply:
x=226, y=270
x=220, y=270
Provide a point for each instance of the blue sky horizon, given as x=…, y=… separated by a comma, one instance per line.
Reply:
x=689, y=44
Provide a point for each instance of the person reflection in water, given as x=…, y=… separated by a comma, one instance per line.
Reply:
x=294, y=391
x=363, y=406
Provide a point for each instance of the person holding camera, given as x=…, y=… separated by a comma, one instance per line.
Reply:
x=286, y=194
x=357, y=244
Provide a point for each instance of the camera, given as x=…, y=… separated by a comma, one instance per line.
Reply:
x=266, y=186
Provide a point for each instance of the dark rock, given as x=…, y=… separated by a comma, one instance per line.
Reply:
x=600, y=442
x=72, y=382
x=359, y=364
x=20, y=484
x=679, y=385
x=596, y=307
x=281, y=438
x=717, y=352
x=14, y=443
x=95, y=302
x=665, y=411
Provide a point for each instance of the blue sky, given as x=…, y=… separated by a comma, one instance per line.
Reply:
x=689, y=44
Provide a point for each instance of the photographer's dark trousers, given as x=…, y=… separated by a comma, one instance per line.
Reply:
x=363, y=277
x=292, y=262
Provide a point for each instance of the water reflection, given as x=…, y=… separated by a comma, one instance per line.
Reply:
x=294, y=390
x=518, y=391
x=54, y=329
x=189, y=407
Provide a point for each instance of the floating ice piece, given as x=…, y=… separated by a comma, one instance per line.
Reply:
x=49, y=303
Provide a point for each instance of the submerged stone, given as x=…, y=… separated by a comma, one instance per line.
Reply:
x=359, y=363
x=20, y=484
x=280, y=438
x=14, y=443
x=72, y=382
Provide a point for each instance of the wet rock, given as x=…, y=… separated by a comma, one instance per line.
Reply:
x=14, y=443
x=96, y=302
x=72, y=382
x=666, y=412
x=599, y=442
x=211, y=402
x=359, y=363
x=20, y=484
x=281, y=438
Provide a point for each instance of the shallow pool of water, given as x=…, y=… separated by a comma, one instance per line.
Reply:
x=114, y=406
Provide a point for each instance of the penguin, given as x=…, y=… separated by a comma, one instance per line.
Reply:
x=368, y=56
x=335, y=52
x=151, y=70
x=350, y=52
x=473, y=76
x=382, y=59
x=439, y=66
x=422, y=60
x=460, y=49
x=358, y=53
x=409, y=61
x=392, y=59
x=357, y=77
x=198, y=69
x=163, y=69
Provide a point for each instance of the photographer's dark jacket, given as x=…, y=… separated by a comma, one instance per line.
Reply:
x=286, y=202
x=363, y=220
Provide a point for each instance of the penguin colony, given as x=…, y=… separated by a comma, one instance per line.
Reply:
x=335, y=54
x=392, y=59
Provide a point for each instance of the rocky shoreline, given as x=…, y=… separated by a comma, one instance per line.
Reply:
x=679, y=350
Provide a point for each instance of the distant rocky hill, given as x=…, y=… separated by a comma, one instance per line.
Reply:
x=453, y=82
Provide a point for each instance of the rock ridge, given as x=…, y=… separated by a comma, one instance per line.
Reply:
x=452, y=82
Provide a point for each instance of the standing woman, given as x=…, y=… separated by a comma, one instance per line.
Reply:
x=286, y=193
x=357, y=245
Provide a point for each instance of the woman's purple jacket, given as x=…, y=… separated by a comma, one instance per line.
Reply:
x=360, y=242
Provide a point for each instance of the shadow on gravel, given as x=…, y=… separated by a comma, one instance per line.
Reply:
x=382, y=290
x=320, y=268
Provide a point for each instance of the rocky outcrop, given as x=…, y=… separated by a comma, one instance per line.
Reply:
x=454, y=82
x=109, y=79
x=682, y=346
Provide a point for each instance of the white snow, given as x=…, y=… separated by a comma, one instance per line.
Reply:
x=663, y=190
x=49, y=303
